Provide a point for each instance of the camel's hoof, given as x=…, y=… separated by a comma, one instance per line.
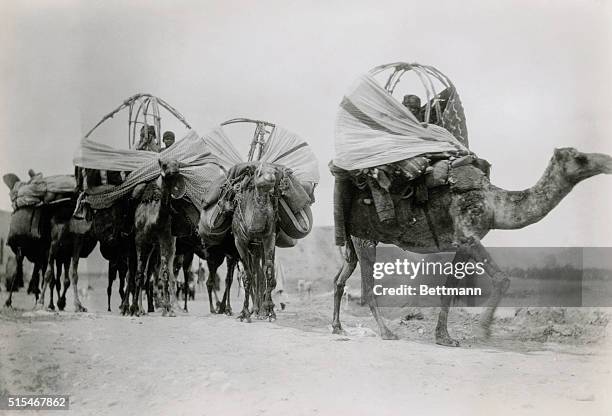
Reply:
x=8, y=303
x=109, y=310
x=337, y=330
x=244, y=317
x=124, y=309
x=388, y=335
x=185, y=310
x=80, y=308
x=134, y=310
x=228, y=312
x=51, y=307
x=171, y=314
x=61, y=303
x=447, y=341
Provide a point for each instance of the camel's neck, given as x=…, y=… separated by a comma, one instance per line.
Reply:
x=165, y=200
x=518, y=209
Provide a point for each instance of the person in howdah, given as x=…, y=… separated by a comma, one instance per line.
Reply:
x=413, y=103
x=168, y=139
x=149, y=142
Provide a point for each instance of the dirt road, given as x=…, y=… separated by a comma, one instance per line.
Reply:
x=202, y=364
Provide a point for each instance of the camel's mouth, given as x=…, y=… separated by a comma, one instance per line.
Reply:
x=602, y=162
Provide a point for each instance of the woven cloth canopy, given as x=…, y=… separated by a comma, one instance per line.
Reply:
x=373, y=128
x=282, y=147
x=198, y=166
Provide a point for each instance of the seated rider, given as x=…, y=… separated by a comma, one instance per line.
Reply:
x=148, y=142
x=168, y=139
x=413, y=103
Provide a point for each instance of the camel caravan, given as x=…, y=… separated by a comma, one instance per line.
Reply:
x=153, y=208
x=404, y=175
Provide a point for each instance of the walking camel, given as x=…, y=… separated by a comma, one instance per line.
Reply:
x=152, y=220
x=254, y=229
x=460, y=220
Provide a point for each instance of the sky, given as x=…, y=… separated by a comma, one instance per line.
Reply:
x=532, y=75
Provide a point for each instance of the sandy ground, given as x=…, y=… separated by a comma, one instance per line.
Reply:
x=203, y=364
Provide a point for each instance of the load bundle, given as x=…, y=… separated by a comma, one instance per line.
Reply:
x=298, y=168
x=39, y=190
x=30, y=219
x=395, y=151
x=198, y=168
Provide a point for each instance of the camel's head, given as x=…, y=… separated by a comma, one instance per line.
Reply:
x=577, y=166
x=266, y=177
x=169, y=167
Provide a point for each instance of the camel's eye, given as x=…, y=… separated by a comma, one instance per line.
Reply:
x=582, y=160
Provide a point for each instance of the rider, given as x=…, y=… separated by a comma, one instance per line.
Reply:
x=168, y=139
x=148, y=142
x=413, y=103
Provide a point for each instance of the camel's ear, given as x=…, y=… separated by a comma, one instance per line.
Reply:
x=10, y=179
x=161, y=167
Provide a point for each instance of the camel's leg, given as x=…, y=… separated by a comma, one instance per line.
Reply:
x=246, y=257
x=122, y=269
x=142, y=257
x=74, y=274
x=57, y=233
x=147, y=285
x=33, y=286
x=150, y=295
x=214, y=260
x=19, y=259
x=53, y=285
x=348, y=267
x=186, y=264
x=61, y=299
x=499, y=280
x=366, y=253
x=477, y=252
x=62, y=267
x=167, y=247
x=132, y=266
x=112, y=274
x=42, y=269
x=442, y=337
x=226, y=306
x=268, y=272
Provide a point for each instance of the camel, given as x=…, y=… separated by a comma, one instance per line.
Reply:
x=152, y=220
x=53, y=244
x=111, y=226
x=187, y=248
x=254, y=228
x=62, y=247
x=460, y=221
x=215, y=255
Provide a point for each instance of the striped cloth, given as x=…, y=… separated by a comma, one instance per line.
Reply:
x=373, y=128
x=198, y=166
x=283, y=147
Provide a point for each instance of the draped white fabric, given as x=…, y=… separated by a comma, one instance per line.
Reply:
x=221, y=146
x=288, y=149
x=282, y=147
x=373, y=128
x=198, y=166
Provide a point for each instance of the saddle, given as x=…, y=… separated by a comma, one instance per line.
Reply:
x=407, y=179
